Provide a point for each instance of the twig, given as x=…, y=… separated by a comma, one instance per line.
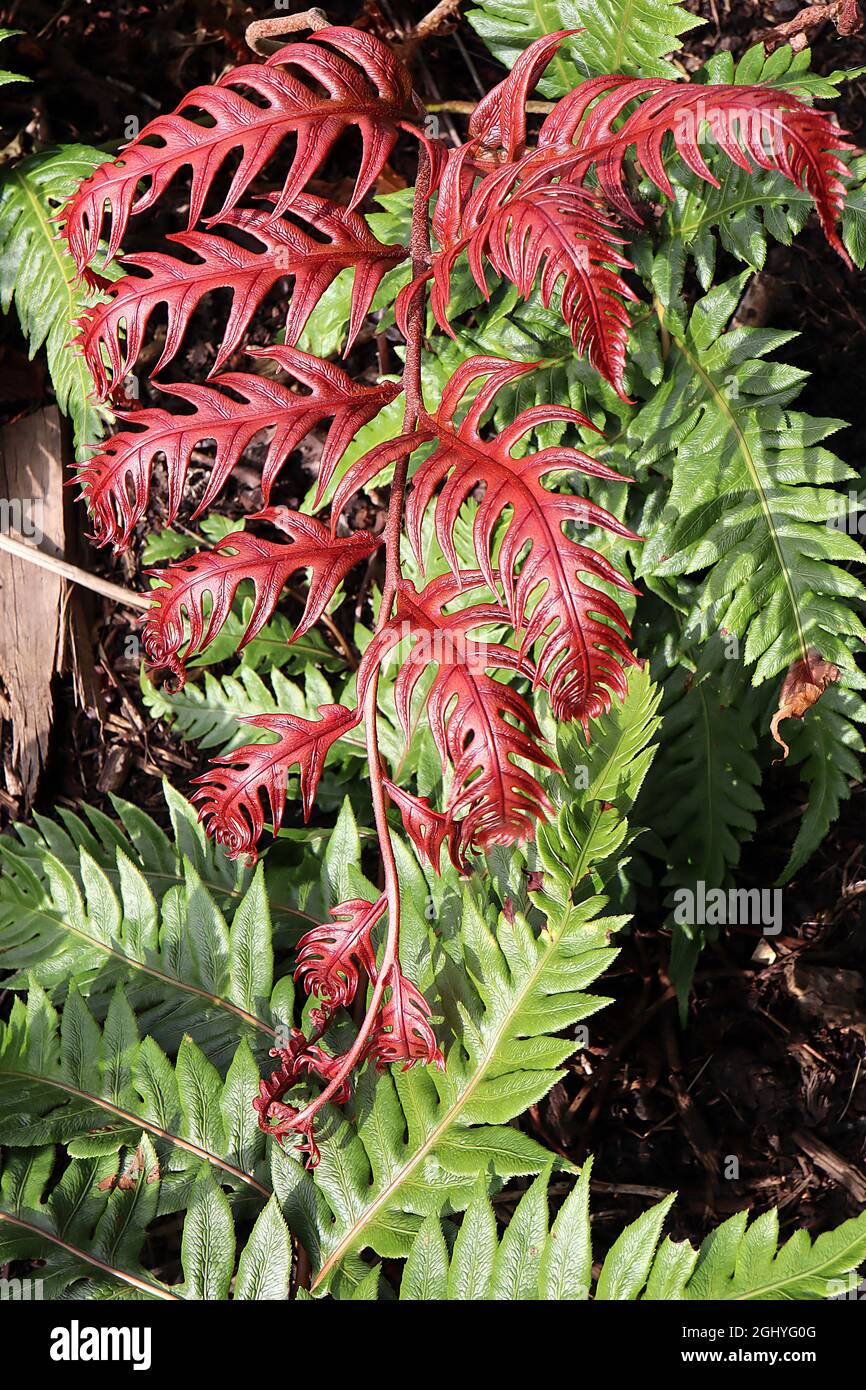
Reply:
x=263, y=35
x=466, y=108
x=433, y=21
x=852, y=1090
x=128, y=597
x=845, y=14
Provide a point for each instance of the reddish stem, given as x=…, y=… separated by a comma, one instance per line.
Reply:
x=420, y=249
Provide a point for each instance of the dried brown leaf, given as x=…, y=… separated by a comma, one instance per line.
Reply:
x=805, y=683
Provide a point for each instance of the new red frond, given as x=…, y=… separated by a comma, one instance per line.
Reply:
x=112, y=333
x=499, y=120
x=543, y=572
x=563, y=238
x=189, y=611
x=752, y=125
x=116, y=482
x=308, y=90
x=233, y=796
x=331, y=955
x=428, y=829
x=403, y=1031
x=553, y=234
x=479, y=724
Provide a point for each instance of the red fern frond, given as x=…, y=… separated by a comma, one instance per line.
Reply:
x=232, y=793
x=403, y=1031
x=773, y=129
x=112, y=332
x=563, y=237
x=365, y=88
x=179, y=624
x=527, y=213
x=583, y=651
x=299, y=1059
x=428, y=829
x=557, y=234
x=584, y=631
x=116, y=481
x=331, y=955
x=499, y=120
x=479, y=724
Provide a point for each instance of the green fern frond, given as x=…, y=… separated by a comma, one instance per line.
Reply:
x=783, y=68
x=743, y=1262
x=737, y=1262
x=89, y=1230
x=64, y=1080
x=38, y=275
x=634, y=37
x=747, y=500
x=185, y=931
x=702, y=798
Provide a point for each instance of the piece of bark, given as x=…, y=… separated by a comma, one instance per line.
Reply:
x=31, y=497
x=843, y=1173
x=834, y=996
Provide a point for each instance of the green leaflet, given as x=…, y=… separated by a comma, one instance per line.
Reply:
x=6, y=77
x=506, y=988
x=854, y=219
x=702, y=797
x=737, y=1262
x=64, y=1080
x=742, y=1262
x=89, y=1229
x=37, y=274
x=626, y=36
x=747, y=500
x=183, y=929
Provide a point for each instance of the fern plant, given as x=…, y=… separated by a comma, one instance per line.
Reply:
x=739, y=1261
x=149, y=1108
x=569, y=459
x=542, y=210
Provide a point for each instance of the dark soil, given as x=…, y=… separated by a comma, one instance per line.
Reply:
x=761, y=1100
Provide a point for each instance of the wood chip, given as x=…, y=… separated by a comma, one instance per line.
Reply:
x=31, y=484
